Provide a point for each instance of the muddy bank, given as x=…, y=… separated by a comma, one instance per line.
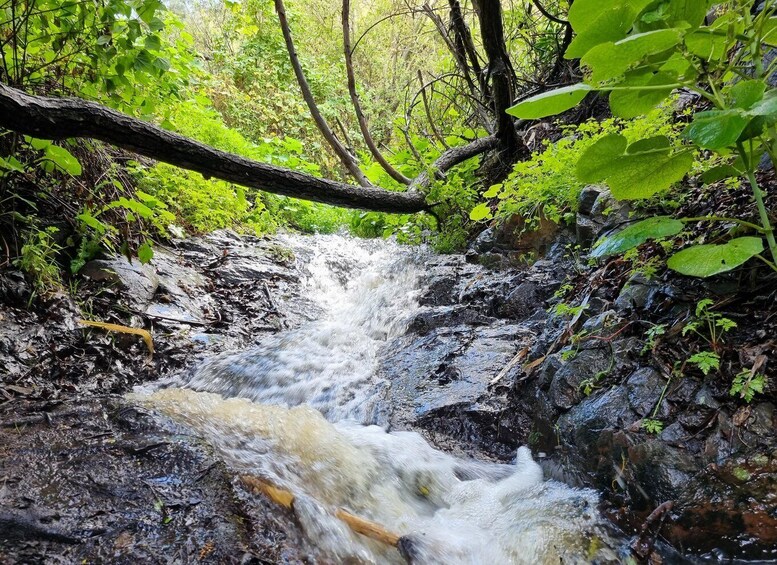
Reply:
x=88, y=476
x=102, y=481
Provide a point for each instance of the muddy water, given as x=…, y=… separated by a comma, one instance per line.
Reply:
x=295, y=410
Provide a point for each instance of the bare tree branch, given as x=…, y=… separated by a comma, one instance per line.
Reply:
x=357, y=107
x=60, y=118
x=346, y=158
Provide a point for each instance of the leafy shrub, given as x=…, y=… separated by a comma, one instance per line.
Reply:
x=38, y=259
x=546, y=184
x=656, y=48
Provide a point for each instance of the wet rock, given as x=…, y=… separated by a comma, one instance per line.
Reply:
x=439, y=382
x=484, y=242
x=444, y=316
x=101, y=481
x=139, y=282
x=522, y=302
x=701, y=410
x=588, y=365
x=761, y=420
x=644, y=388
x=597, y=211
x=584, y=425
x=674, y=434
x=239, y=269
x=660, y=471
x=588, y=196
x=598, y=324
x=14, y=288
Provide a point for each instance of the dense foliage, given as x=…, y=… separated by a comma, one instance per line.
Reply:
x=655, y=49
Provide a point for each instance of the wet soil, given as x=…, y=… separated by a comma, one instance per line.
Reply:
x=87, y=477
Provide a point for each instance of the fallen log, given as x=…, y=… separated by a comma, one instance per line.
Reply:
x=360, y=525
x=62, y=118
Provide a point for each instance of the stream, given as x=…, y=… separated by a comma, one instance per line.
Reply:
x=298, y=411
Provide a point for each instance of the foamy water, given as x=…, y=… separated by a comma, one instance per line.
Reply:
x=292, y=412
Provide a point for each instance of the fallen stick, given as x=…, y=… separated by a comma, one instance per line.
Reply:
x=361, y=526
x=123, y=329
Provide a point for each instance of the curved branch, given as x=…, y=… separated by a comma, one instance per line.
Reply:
x=548, y=15
x=357, y=107
x=453, y=157
x=60, y=118
x=346, y=158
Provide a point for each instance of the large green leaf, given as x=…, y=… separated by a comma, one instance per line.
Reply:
x=690, y=11
x=610, y=60
x=636, y=101
x=707, y=44
x=550, y=103
x=598, y=158
x=643, y=175
x=719, y=173
x=716, y=129
x=63, y=159
x=609, y=25
x=708, y=260
x=636, y=234
x=746, y=93
x=767, y=106
x=633, y=175
x=656, y=143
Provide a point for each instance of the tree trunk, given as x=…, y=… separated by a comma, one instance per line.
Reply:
x=346, y=158
x=393, y=173
x=59, y=118
x=501, y=72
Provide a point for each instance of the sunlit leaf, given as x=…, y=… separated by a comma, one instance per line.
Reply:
x=636, y=234
x=708, y=260
x=480, y=212
x=550, y=103
x=716, y=129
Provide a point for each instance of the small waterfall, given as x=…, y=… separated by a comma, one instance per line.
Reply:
x=292, y=412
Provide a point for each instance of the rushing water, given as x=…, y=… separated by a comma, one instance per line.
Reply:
x=292, y=412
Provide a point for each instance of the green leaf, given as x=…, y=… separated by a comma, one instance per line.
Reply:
x=719, y=173
x=632, y=176
x=153, y=42
x=145, y=252
x=480, y=212
x=599, y=157
x=550, y=103
x=643, y=175
x=636, y=234
x=708, y=260
x=746, y=93
x=635, y=101
x=655, y=143
x=767, y=106
x=705, y=361
x=134, y=206
x=716, y=129
x=89, y=220
x=707, y=44
x=690, y=11
x=610, y=60
x=494, y=190
x=63, y=159
x=608, y=25
x=38, y=144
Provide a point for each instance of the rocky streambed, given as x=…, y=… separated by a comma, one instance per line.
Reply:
x=481, y=369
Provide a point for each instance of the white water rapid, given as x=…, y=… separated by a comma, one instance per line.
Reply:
x=292, y=412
